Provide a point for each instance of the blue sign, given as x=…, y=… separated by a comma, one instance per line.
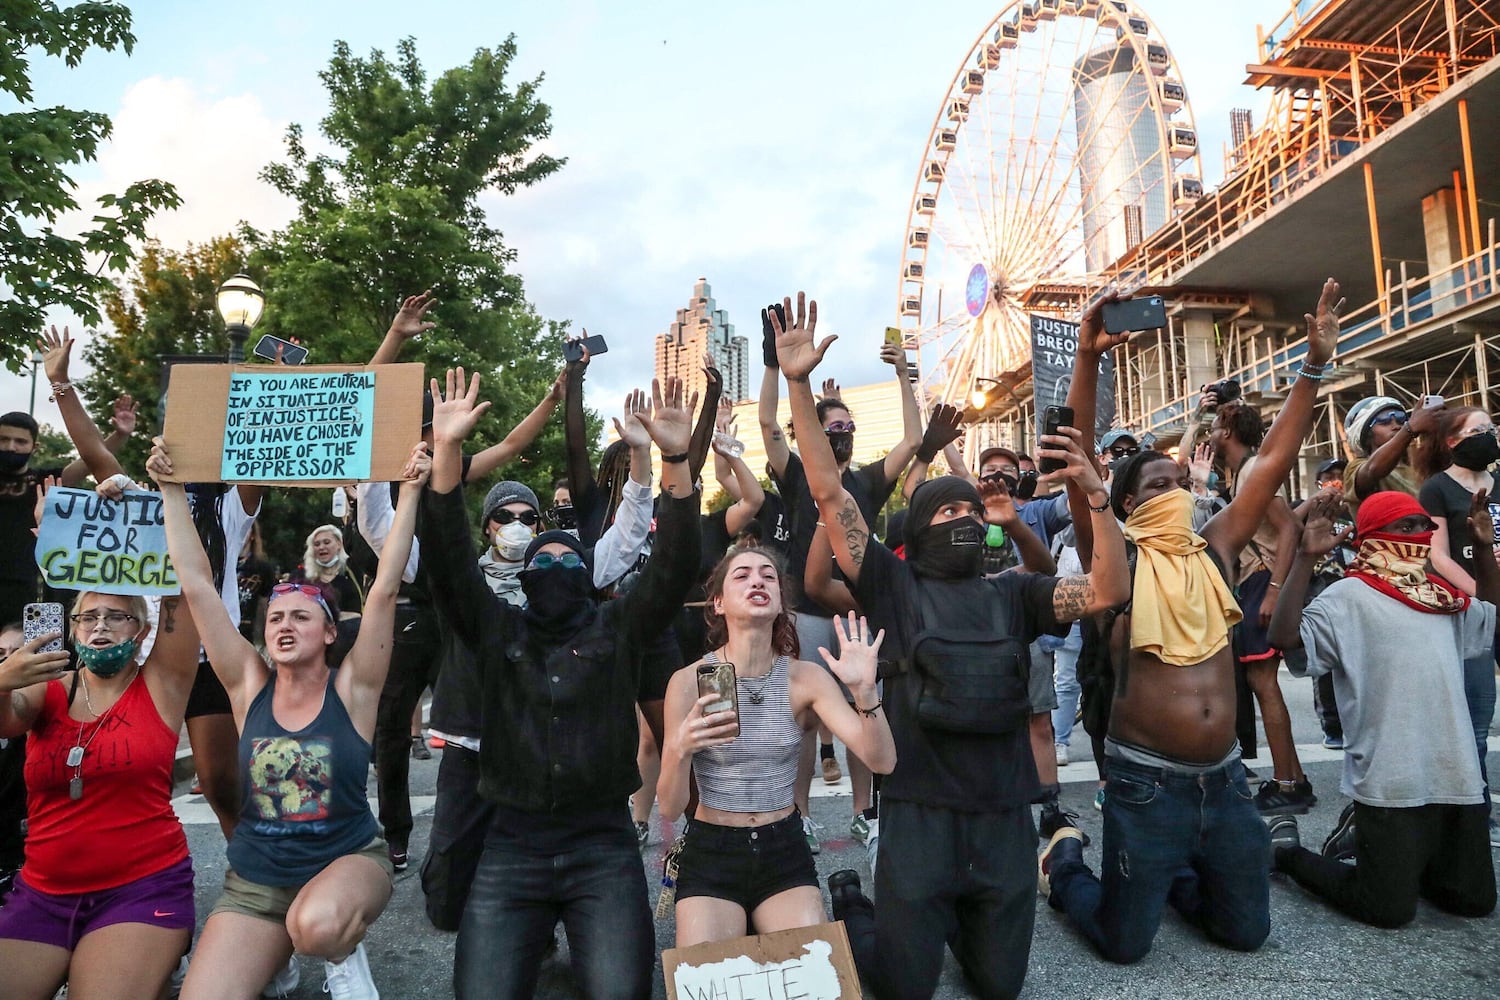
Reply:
x=316, y=425
x=85, y=542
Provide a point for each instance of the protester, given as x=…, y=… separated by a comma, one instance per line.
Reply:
x=12, y=782
x=254, y=576
x=745, y=865
x=561, y=680
x=1419, y=814
x=1380, y=434
x=957, y=834
x=104, y=899
x=308, y=872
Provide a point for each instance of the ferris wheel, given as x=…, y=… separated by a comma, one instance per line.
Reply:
x=1064, y=139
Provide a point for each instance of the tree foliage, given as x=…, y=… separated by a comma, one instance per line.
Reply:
x=53, y=448
x=40, y=267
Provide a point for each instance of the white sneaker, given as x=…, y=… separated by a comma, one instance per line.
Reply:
x=284, y=981
x=810, y=830
x=1062, y=754
x=350, y=979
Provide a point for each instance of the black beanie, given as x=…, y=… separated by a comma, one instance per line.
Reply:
x=931, y=497
x=547, y=537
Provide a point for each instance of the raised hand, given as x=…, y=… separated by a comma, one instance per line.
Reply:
x=725, y=415
x=700, y=732
x=1482, y=521
x=1318, y=536
x=999, y=508
x=125, y=413
x=41, y=499
x=795, y=349
x=455, y=412
x=417, y=470
x=1426, y=419
x=114, y=487
x=1092, y=338
x=583, y=359
x=159, y=464
x=57, y=349
x=858, y=652
x=895, y=356
x=559, y=390
x=768, y=336
x=1079, y=468
x=945, y=426
x=718, y=442
x=26, y=666
x=831, y=389
x=1202, y=464
x=411, y=318
x=670, y=420
x=1323, y=326
x=711, y=369
x=628, y=424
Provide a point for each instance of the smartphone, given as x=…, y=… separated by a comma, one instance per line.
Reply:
x=1431, y=401
x=1053, y=417
x=1495, y=514
x=1129, y=315
x=290, y=354
x=718, y=679
x=894, y=336
x=573, y=349
x=41, y=619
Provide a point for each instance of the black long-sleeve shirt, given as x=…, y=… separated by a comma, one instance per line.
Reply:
x=559, y=724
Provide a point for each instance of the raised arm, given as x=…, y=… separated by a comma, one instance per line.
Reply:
x=817, y=577
x=912, y=435
x=1316, y=538
x=1482, y=527
x=752, y=495
x=1236, y=524
x=239, y=667
x=1107, y=582
x=1000, y=509
x=943, y=428
x=1083, y=398
x=575, y=431
x=1383, y=461
x=1187, y=448
x=359, y=684
x=703, y=431
x=777, y=452
x=624, y=540
x=95, y=458
x=410, y=321
x=521, y=436
x=862, y=728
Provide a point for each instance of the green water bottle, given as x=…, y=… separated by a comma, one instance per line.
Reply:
x=995, y=537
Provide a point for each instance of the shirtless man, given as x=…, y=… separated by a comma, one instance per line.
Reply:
x=1180, y=825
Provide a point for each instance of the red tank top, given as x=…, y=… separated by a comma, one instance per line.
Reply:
x=123, y=827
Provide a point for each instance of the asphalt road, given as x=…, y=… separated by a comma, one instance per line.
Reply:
x=1312, y=952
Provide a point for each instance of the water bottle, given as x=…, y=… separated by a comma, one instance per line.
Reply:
x=340, y=503
x=729, y=445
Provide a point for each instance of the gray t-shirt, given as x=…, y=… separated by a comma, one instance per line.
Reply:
x=1399, y=676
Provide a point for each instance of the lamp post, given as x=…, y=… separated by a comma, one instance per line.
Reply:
x=240, y=302
x=36, y=366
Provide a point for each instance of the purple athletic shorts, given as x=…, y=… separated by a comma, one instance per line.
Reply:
x=164, y=899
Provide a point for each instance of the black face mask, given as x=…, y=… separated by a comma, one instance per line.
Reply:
x=13, y=461
x=1477, y=452
x=842, y=444
x=952, y=550
x=556, y=594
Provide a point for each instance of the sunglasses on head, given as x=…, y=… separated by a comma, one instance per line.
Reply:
x=306, y=590
x=526, y=517
x=840, y=427
x=546, y=560
x=1390, y=417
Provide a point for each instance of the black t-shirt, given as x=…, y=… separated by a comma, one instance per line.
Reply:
x=953, y=771
x=870, y=490
x=1445, y=497
x=775, y=532
x=17, y=518
x=256, y=577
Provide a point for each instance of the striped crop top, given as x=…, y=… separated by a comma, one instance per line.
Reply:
x=757, y=770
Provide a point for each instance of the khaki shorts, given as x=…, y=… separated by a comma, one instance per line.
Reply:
x=271, y=902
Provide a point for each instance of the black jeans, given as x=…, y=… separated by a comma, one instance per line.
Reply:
x=592, y=880
x=1438, y=853
x=1326, y=704
x=460, y=819
x=943, y=874
x=415, y=653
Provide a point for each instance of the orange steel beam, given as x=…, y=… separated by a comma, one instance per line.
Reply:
x=1374, y=232
x=1463, y=135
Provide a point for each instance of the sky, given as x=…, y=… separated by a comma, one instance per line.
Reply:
x=768, y=147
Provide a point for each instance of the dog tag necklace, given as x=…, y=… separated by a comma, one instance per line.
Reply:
x=75, y=755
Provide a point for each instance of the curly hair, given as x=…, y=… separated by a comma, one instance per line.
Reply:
x=1243, y=423
x=832, y=403
x=783, y=630
x=1433, y=454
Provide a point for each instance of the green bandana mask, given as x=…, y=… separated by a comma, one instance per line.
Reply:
x=108, y=661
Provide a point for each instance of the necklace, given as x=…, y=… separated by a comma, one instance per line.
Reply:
x=75, y=755
x=757, y=694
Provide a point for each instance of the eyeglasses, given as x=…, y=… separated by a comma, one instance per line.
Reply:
x=1481, y=429
x=546, y=560
x=526, y=517
x=112, y=619
x=306, y=590
x=1122, y=451
x=840, y=427
x=1389, y=417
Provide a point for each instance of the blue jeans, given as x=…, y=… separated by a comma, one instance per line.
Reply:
x=597, y=888
x=1479, y=692
x=1065, y=677
x=1195, y=841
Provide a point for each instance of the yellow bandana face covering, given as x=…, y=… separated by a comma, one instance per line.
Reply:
x=1181, y=608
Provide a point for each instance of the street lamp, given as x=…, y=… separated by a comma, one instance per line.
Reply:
x=36, y=366
x=240, y=303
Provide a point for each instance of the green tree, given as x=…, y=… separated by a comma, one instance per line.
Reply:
x=53, y=448
x=39, y=267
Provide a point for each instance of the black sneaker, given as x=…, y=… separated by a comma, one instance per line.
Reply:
x=844, y=890
x=397, y=854
x=1055, y=818
x=1284, y=836
x=1340, y=843
x=419, y=749
x=1276, y=799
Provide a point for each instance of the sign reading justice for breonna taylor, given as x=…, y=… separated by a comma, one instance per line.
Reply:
x=85, y=542
x=1054, y=344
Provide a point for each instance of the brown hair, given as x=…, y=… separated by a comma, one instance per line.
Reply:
x=1432, y=453
x=783, y=630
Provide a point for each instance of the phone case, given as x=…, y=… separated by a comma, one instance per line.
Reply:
x=718, y=678
x=1132, y=315
x=1053, y=417
x=40, y=619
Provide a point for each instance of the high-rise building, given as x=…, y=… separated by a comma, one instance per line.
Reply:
x=701, y=327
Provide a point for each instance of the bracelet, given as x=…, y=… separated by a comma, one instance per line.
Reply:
x=1273, y=584
x=869, y=713
x=675, y=458
x=1315, y=376
x=1099, y=509
x=59, y=389
x=796, y=378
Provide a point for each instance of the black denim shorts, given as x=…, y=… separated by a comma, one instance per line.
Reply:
x=745, y=864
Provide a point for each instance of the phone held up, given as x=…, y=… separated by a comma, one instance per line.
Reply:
x=43, y=619
x=273, y=348
x=1149, y=312
x=718, y=679
x=573, y=349
x=1053, y=417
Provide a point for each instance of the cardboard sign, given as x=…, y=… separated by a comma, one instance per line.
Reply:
x=807, y=963
x=86, y=542
x=317, y=425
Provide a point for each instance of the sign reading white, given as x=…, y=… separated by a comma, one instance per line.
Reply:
x=809, y=976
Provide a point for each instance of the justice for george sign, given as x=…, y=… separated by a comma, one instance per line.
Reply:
x=86, y=542
x=309, y=426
